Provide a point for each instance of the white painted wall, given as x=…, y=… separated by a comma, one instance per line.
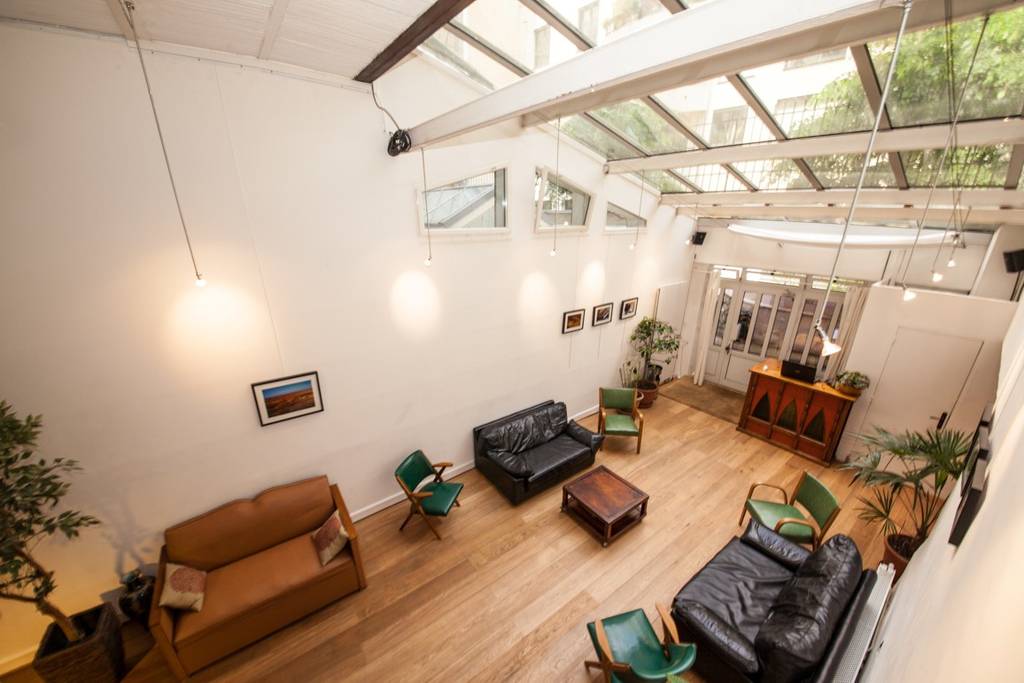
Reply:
x=941, y=312
x=307, y=234
x=958, y=612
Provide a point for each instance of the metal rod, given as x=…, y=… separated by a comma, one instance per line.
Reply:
x=640, y=212
x=426, y=205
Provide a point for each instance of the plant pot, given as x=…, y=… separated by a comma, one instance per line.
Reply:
x=895, y=547
x=648, y=393
x=848, y=390
x=97, y=658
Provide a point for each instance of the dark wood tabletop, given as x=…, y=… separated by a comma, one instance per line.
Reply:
x=605, y=494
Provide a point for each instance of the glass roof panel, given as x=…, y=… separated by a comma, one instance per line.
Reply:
x=715, y=112
x=642, y=126
x=512, y=28
x=920, y=89
x=774, y=174
x=596, y=139
x=813, y=95
x=665, y=182
x=711, y=178
x=980, y=166
x=466, y=59
x=843, y=170
x=602, y=21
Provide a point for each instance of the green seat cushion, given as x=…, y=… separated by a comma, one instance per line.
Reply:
x=768, y=513
x=620, y=399
x=633, y=641
x=621, y=425
x=442, y=497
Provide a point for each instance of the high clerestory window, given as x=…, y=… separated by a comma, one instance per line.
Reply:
x=468, y=204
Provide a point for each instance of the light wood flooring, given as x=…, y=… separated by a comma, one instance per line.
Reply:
x=507, y=593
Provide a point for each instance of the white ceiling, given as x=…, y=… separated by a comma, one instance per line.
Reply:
x=336, y=36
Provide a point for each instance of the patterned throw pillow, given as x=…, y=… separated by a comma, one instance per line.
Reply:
x=184, y=587
x=330, y=538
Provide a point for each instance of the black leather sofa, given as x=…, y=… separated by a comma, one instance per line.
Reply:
x=765, y=609
x=533, y=449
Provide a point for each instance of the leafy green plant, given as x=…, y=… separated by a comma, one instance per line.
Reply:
x=907, y=474
x=653, y=336
x=31, y=488
x=852, y=378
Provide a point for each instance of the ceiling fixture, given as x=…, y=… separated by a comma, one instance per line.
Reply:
x=936, y=276
x=908, y=294
x=426, y=209
x=828, y=347
x=128, y=7
x=639, y=214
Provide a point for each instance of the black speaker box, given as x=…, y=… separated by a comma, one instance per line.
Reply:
x=1014, y=261
x=698, y=239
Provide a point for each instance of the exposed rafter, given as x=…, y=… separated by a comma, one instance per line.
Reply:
x=934, y=136
x=973, y=197
x=873, y=91
x=274, y=22
x=938, y=214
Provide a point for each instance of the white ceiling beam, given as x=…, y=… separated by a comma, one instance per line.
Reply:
x=988, y=132
x=710, y=40
x=973, y=197
x=274, y=22
x=868, y=213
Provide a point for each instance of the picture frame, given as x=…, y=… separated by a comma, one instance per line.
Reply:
x=286, y=398
x=628, y=307
x=572, y=321
x=602, y=314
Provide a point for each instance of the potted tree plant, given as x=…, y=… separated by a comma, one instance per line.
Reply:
x=907, y=474
x=852, y=383
x=652, y=336
x=84, y=646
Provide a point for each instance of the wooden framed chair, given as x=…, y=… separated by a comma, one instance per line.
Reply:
x=433, y=500
x=628, y=648
x=617, y=423
x=789, y=521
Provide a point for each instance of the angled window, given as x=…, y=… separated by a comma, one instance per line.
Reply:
x=617, y=217
x=541, y=47
x=602, y=21
x=588, y=17
x=468, y=204
x=713, y=109
x=517, y=32
x=976, y=166
x=665, y=182
x=560, y=204
x=774, y=174
x=583, y=131
x=467, y=60
x=710, y=178
x=843, y=170
x=639, y=124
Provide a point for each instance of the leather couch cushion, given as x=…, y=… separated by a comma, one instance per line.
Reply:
x=729, y=599
x=523, y=433
x=244, y=527
x=805, y=613
x=781, y=549
x=550, y=455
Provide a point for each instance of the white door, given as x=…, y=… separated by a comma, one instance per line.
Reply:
x=921, y=381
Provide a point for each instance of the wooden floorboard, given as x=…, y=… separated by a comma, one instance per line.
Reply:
x=507, y=593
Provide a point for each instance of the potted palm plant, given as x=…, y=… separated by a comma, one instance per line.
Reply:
x=652, y=337
x=81, y=647
x=907, y=475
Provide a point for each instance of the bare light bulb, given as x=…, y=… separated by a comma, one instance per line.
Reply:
x=632, y=246
x=552, y=252
x=909, y=294
x=951, y=263
x=200, y=282
x=936, y=276
x=427, y=261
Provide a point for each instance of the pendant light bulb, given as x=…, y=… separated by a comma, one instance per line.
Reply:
x=909, y=294
x=632, y=246
x=200, y=281
x=427, y=261
x=951, y=263
x=553, y=252
x=828, y=347
x=936, y=276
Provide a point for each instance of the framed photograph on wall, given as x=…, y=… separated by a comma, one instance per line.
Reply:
x=287, y=398
x=602, y=314
x=627, y=309
x=572, y=321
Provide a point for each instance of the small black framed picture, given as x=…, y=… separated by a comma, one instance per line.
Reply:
x=602, y=314
x=572, y=321
x=627, y=309
x=287, y=398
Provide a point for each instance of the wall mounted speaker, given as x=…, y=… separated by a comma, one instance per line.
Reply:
x=1014, y=261
x=698, y=239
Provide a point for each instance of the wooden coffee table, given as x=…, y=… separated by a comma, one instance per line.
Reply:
x=604, y=503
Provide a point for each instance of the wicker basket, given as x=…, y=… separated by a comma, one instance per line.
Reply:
x=96, y=658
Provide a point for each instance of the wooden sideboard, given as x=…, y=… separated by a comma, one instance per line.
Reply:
x=805, y=418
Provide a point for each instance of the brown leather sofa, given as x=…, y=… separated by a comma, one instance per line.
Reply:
x=263, y=571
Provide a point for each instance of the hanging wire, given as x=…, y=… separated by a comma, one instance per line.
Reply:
x=426, y=208
x=128, y=7
x=558, y=179
x=867, y=161
x=640, y=213
x=937, y=172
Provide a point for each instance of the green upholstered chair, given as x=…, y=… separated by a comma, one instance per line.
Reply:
x=789, y=521
x=433, y=500
x=625, y=418
x=628, y=648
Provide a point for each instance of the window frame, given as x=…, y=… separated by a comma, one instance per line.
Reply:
x=538, y=203
x=506, y=230
x=620, y=229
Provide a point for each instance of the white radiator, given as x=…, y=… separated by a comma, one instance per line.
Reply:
x=864, y=633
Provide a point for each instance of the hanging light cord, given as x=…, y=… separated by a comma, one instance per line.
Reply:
x=937, y=173
x=867, y=158
x=640, y=212
x=426, y=206
x=558, y=179
x=128, y=8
